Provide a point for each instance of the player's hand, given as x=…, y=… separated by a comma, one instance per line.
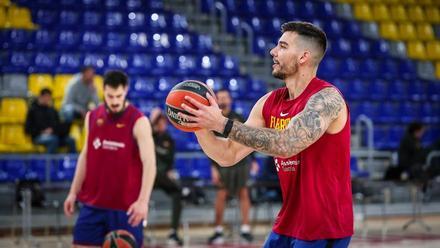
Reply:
x=138, y=211
x=69, y=205
x=207, y=117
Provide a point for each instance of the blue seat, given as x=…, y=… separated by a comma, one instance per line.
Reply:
x=395, y=135
x=203, y=43
x=329, y=67
x=288, y=9
x=16, y=39
x=325, y=10
x=233, y=25
x=135, y=4
x=342, y=86
x=164, y=86
x=428, y=113
x=92, y=4
x=434, y=90
x=44, y=63
x=248, y=8
x=257, y=89
x=409, y=112
x=230, y=66
x=116, y=42
x=260, y=46
x=142, y=87
x=232, y=6
x=407, y=69
x=114, y=4
x=68, y=4
x=162, y=64
x=159, y=42
x=268, y=8
x=398, y=90
x=92, y=19
x=18, y=62
x=69, y=63
x=46, y=18
x=185, y=65
x=361, y=48
x=179, y=23
x=356, y=171
x=115, y=20
x=341, y=47
x=158, y=22
x=334, y=29
x=380, y=49
x=15, y=168
x=357, y=89
x=238, y=87
x=381, y=138
x=349, y=68
x=417, y=90
x=91, y=41
x=352, y=29
x=137, y=21
x=243, y=108
x=388, y=113
x=140, y=64
x=69, y=19
x=182, y=42
x=208, y=65
x=215, y=83
x=370, y=68
x=138, y=42
x=378, y=89
x=68, y=40
x=96, y=60
x=259, y=25
x=389, y=69
x=307, y=9
x=146, y=104
x=117, y=62
x=370, y=109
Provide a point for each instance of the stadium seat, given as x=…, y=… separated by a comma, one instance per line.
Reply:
x=407, y=32
x=164, y=86
x=342, y=86
x=370, y=68
x=137, y=21
x=398, y=90
x=417, y=90
x=398, y=49
x=116, y=42
x=3, y=20
x=215, y=83
x=306, y=9
x=37, y=82
x=158, y=22
x=417, y=50
x=114, y=4
x=243, y=108
x=46, y=18
x=388, y=69
x=379, y=48
x=14, y=85
x=18, y=62
x=117, y=62
x=13, y=110
x=432, y=15
x=334, y=28
x=437, y=69
x=426, y=70
x=134, y=4
x=203, y=43
x=433, y=50
x=329, y=67
x=398, y=13
x=230, y=66
x=91, y=41
x=14, y=168
x=181, y=43
x=18, y=39
x=389, y=30
x=68, y=4
x=207, y=65
x=389, y=113
x=425, y=32
x=15, y=138
x=416, y=13
x=341, y=47
x=43, y=39
x=237, y=86
x=428, y=113
x=344, y=10
x=370, y=30
x=370, y=109
x=185, y=65
x=69, y=19
x=60, y=84
x=362, y=11
x=380, y=12
x=96, y=60
x=137, y=42
x=433, y=91
x=92, y=19
x=409, y=112
x=68, y=40
x=69, y=63
x=381, y=137
x=98, y=81
x=357, y=89
x=19, y=18
x=142, y=87
x=162, y=64
x=325, y=10
x=92, y=4
x=407, y=69
x=349, y=68
x=159, y=42
x=268, y=8
x=179, y=23
x=44, y=63
x=140, y=64
x=115, y=20
x=379, y=89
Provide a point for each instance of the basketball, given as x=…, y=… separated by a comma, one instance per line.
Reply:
x=119, y=239
x=195, y=89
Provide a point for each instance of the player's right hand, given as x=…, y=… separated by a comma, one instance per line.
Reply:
x=69, y=205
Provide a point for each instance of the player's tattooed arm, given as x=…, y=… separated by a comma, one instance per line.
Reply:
x=303, y=130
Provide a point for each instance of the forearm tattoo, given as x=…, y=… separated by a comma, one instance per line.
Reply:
x=302, y=131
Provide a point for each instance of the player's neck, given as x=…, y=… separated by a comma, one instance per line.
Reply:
x=298, y=82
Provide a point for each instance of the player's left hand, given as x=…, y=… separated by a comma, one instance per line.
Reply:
x=138, y=211
x=207, y=117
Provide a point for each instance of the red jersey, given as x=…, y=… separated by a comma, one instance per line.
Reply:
x=113, y=166
x=316, y=183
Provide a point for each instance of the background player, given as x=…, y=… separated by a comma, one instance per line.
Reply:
x=115, y=170
x=306, y=127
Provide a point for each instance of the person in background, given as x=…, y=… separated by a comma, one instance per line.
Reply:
x=411, y=154
x=166, y=178
x=80, y=97
x=43, y=124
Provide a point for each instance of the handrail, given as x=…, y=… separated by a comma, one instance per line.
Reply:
x=370, y=136
x=430, y=157
x=250, y=35
x=223, y=15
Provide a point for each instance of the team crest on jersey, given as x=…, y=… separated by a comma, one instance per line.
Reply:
x=99, y=122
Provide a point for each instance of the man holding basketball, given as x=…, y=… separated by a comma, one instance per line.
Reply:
x=115, y=170
x=306, y=127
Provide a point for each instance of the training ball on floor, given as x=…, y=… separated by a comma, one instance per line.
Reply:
x=195, y=89
x=119, y=239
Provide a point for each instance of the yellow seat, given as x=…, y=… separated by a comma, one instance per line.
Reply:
x=14, y=137
x=390, y=1
x=416, y=50
x=5, y=3
x=60, y=84
x=381, y=12
x=432, y=14
x=425, y=32
x=398, y=13
x=407, y=31
x=13, y=110
x=362, y=11
x=37, y=82
x=437, y=69
x=416, y=13
x=99, y=85
x=425, y=2
x=389, y=30
x=57, y=103
x=77, y=134
x=408, y=2
x=2, y=17
x=433, y=50
x=19, y=18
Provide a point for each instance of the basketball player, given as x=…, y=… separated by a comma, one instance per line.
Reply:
x=306, y=127
x=115, y=170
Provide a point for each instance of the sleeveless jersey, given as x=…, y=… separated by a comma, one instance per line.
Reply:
x=315, y=184
x=113, y=166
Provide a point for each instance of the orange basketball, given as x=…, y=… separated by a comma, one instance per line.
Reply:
x=119, y=239
x=195, y=89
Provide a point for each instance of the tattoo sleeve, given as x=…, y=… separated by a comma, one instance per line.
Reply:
x=303, y=130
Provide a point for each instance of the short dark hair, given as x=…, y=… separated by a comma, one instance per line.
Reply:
x=308, y=30
x=414, y=127
x=86, y=68
x=45, y=91
x=115, y=78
